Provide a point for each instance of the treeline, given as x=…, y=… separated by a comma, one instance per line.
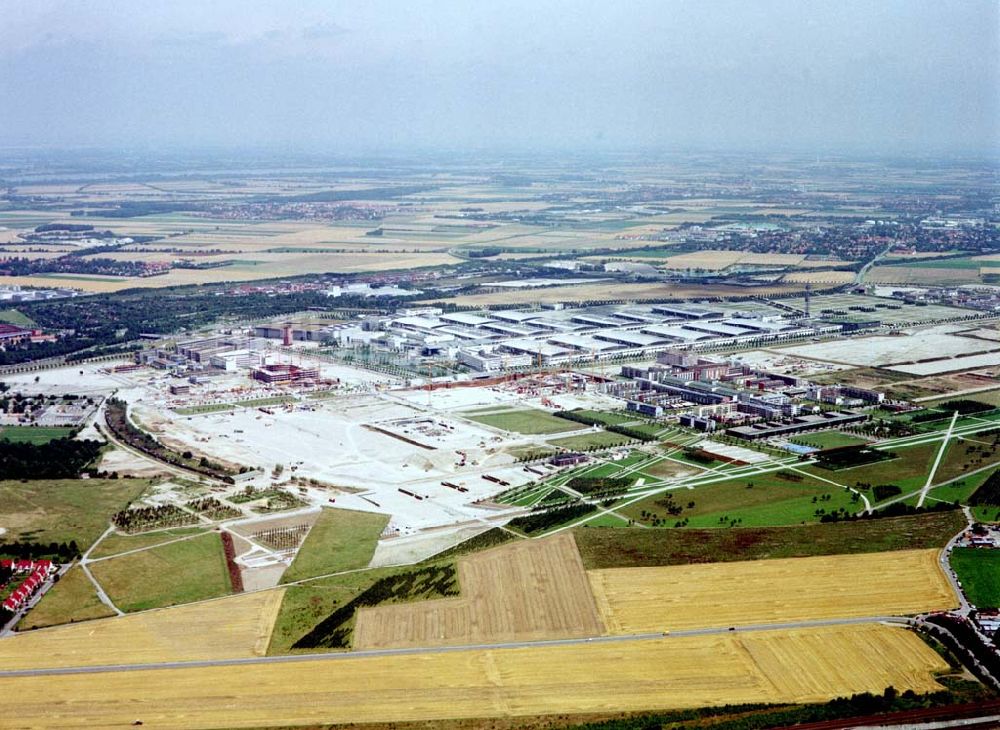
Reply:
x=599, y=486
x=967, y=645
x=113, y=320
x=988, y=493
x=632, y=433
x=484, y=253
x=70, y=264
x=764, y=717
x=334, y=632
x=850, y=456
x=229, y=550
x=884, y=491
x=62, y=552
x=116, y=417
x=63, y=458
x=151, y=518
x=899, y=509
x=964, y=406
x=540, y=521
x=213, y=509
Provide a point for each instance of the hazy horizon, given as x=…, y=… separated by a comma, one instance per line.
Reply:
x=892, y=78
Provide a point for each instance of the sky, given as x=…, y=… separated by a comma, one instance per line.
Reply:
x=378, y=76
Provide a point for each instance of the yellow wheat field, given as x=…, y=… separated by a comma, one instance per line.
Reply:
x=770, y=591
x=529, y=590
x=231, y=627
x=276, y=266
x=809, y=665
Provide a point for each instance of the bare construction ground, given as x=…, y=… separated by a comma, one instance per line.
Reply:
x=808, y=665
x=228, y=628
x=635, y=600
x=529, y=590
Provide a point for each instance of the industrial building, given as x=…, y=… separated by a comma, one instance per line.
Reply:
x=283, y=373
x=799, y=424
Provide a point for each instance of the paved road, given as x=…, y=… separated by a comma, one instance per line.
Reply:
x=297, y=658
x=859, y=278
x=937, y=460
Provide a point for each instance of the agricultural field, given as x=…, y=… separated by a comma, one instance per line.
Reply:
x=806, y=665
x=47, y=511
x=73, y=598
x=234, y=627
x=979, y=571
x=526, y=421
x=614, y=548
x=637, y=600
x=307, y=604
x=523, y=591
x=930, y=273
x=339, y=540
x=243, y=268
x=166, y=575
x=33, y=434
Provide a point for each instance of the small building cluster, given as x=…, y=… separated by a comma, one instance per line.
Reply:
x=35, y=573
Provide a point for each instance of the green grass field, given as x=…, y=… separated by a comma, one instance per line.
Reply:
x=634, y=547
x=526, y=421
x=979, y=571
x=759, y=501
x=33, y=434
x=13, y=316
x=908, y=470
x=340, y=540
x=64, y=509
x=114, y=543
x=829, y=440
x=964, y=456
x=599, y=439
x=986, y=513
x=610, y=418
x=73, y=598
x=181, y=572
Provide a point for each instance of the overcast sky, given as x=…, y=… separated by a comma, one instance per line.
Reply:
x=384, y=76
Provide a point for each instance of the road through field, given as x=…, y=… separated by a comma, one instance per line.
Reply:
x=937, y=460
x=409, y=651
x=794, y=665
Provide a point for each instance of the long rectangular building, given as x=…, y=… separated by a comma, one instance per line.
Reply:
x=799, y=424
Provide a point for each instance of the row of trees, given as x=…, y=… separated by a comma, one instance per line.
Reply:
x=62, y=458
x=544, y=519
x=116, y=417
x=151, y=518
x=213, y=509
x=988, y=493
x=632, y=433
x=334, y=632
x=62, y=552
x=104, y=322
